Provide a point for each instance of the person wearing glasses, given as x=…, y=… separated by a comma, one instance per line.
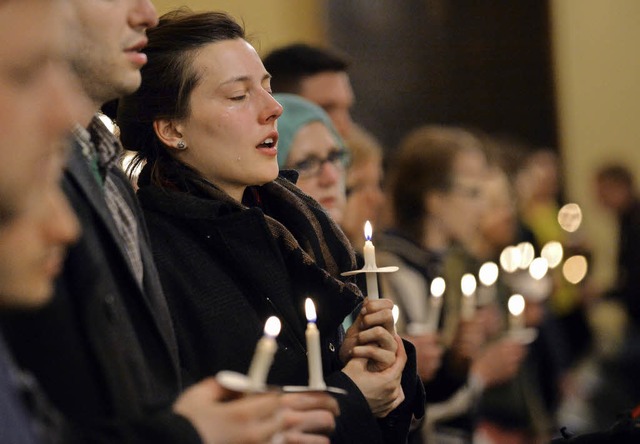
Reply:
x=309, y=144
x=235, y=242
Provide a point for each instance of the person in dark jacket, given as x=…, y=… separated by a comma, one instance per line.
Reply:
x=36, y=221
x=104, y=348
x=235, y=242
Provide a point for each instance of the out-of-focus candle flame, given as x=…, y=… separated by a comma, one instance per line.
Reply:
x=437, y=287
x=516, y=304
x=570, y=217
x=527, y=253
x=538, y=268
x=396, y=314
x=552, y=252
x=510, y=259
x=272, y=327
x=468, y=284
x=575, y=268
x=488, y=273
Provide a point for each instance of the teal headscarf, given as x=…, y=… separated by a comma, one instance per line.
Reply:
x=299, y=112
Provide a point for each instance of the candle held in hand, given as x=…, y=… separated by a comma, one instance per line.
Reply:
x=516, y=312
x=438, y=286
x=263, y=356
x=370, y=262
x=314, y=356
x=468, y=285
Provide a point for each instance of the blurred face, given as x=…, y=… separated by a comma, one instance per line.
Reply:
x=230, y=132
x=331, y=91
x=314, y=143
x=463, y=203
x=613, y=195
x=38, y=101
x=33, y=242
x=108, y=38
x=498, y=220
x=38, y=105
x=364, y=198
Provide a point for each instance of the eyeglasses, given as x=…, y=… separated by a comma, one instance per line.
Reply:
x=466, y=190
x=312, y=165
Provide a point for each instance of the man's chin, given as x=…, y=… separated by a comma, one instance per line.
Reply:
x=27, y=297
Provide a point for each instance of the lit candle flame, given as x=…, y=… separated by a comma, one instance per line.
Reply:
x=368, y=230
x=516, y=304
x=396, y=314
x=538, y=268
x=510, y=259
x=527, y=253
x=310, y=310
x=437, y=287
x=468, y=284
x=272, y=327
x=488, y=273
x=552, y=252
x=570, y=217
x=575, y=268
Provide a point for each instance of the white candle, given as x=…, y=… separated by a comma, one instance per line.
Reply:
x=488, y=275
x=438, y=286
x=468, y=285
x=263, y=356
x=370, y=262
x=314, y=357
x=516, y=309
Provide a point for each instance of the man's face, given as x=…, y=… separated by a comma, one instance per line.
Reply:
x=109, y=37
x=331, y=91
x=38, y=106
x=38, y=99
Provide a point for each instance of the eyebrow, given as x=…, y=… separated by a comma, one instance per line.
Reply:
x=245, y=79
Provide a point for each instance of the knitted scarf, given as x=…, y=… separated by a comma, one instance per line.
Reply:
x=314, y=248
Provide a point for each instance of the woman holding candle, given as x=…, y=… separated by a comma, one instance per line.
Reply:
x=234, y=242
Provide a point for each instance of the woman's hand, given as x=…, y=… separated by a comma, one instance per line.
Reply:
x=372, y=336
x=220, y=416
x=381, y=389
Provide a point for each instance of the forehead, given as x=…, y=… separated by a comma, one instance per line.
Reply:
x=227, y=61
x=470, y=163
x=33, y=27
x=328, y=88
x=312, y=139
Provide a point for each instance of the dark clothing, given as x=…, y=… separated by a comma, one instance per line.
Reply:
x=18, y=425
x=226, y=268
x=625, y=431
x=103, y=349
x=627, y=288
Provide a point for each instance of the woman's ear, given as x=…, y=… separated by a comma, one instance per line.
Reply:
x=169, y=134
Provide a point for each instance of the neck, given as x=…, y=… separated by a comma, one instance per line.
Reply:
x=84, y=118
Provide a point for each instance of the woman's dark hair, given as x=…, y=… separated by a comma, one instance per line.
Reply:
x=423, y=164
x=168, y=80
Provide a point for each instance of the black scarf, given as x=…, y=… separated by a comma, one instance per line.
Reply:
x=314, y=248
